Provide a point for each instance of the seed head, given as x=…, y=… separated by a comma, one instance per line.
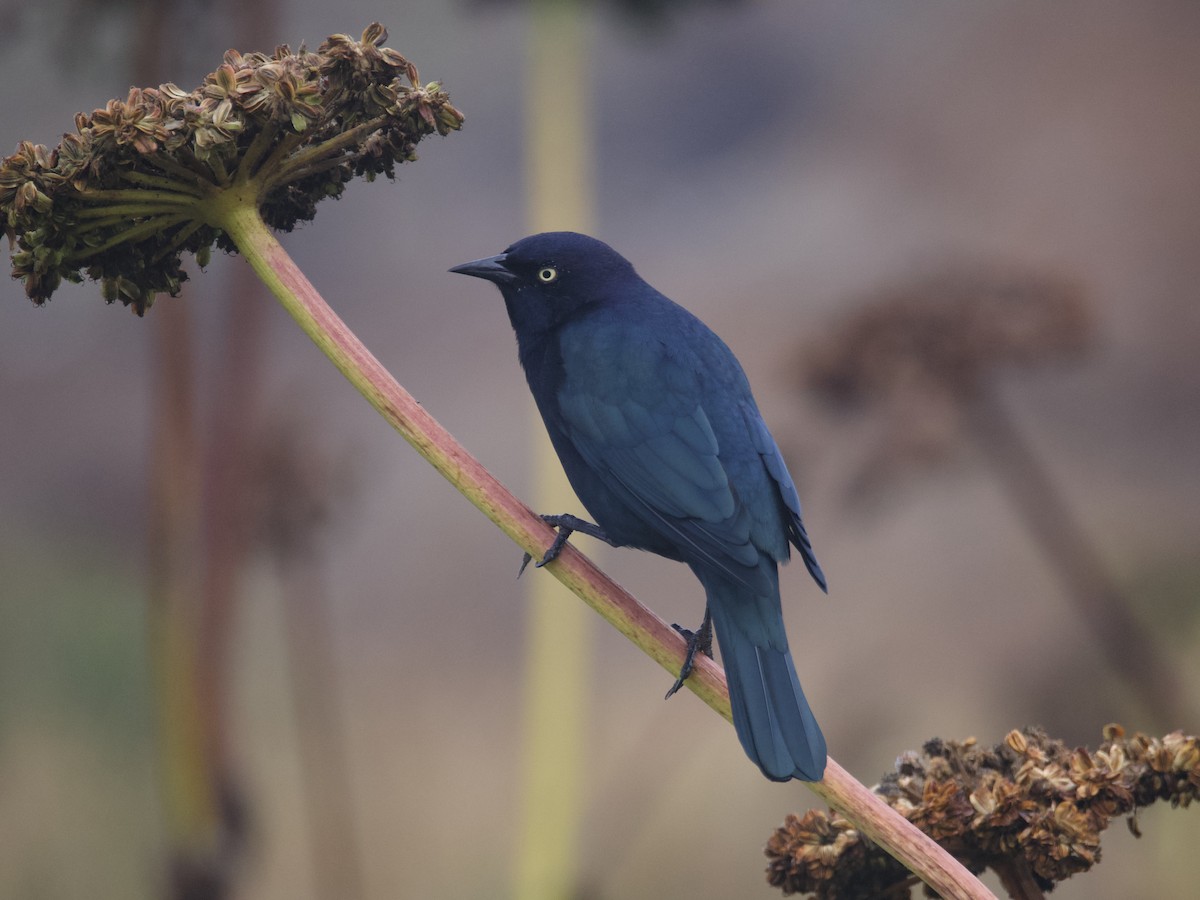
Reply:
x=133, y=188
x=1029, y=802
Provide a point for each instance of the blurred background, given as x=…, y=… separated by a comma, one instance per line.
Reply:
x=353, y=670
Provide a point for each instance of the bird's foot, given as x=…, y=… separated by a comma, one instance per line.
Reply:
x=566, y=525
x=699, y=640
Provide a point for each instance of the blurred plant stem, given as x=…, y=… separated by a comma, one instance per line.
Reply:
x=557, y=640
x=298, y=494
x=333, y=846
x=190, y=587
x=190, y=801
x=1141, y=660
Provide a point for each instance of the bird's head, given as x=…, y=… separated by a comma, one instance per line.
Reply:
x=548, y=278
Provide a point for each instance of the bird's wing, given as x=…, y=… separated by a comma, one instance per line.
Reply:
x=768, y=451
x=638, y=421
x=665, y=468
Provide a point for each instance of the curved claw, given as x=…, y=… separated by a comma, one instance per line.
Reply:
x=566, y=525
x=699, y=640
x=560, y=541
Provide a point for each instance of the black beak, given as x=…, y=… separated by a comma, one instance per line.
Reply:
x=490, y=268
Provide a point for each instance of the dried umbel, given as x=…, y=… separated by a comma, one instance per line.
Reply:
x=1030, y=808
x=147, y=178
x=922, y=353
x=946, y=332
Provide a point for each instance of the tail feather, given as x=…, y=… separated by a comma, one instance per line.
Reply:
x=770, y=713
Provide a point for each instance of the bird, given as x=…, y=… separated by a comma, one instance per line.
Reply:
x=653, y=420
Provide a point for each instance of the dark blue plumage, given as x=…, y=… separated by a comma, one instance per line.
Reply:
x=661, y=439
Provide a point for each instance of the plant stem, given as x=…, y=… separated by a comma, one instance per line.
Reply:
x=144, y=229
x=234, y=211
x=250, y=159
x=287, y=144
x=320, y=738
x=217, y=166
x=174, y=588
x=295, y=173
x=198, y=167
x=1132, y=649
x=164, y=184
x=138, y=197
x=186, y=176
x=558, y=633
x=94, y=225
x=284, y=172
x=178, y=240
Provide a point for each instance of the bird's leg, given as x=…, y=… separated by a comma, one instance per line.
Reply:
x=566, y=525
x=701, y=640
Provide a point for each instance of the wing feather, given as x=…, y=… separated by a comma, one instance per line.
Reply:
x=711, y=481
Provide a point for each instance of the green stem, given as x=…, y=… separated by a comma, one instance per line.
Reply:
x=296, y=173
x=198, y=168
x=318, y=151
x=166, y=184
x=217, y=166
x=559, y=636
x=134, y=209
x=249, y=164
x=180, y=237
x=145, y=229
x=139, y=196
x=287, y=144
x=186, y=176
x=234, y=211
x=94, y=225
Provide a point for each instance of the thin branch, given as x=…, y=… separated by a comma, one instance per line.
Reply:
x=342, y=141
x=260, y=144
x=145, y=229
x=139, y=196
x=286, y=145
x=179, y=240
x=314, y=167
x=167, y=164
x=163, y=184
x=216, y=165
x=1131, y=648
x=94, y=225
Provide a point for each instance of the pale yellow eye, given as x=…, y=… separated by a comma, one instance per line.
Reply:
x=547, y=275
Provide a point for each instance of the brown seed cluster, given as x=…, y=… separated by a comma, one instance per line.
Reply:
x=946, y=331
x=918, y=355
x=123, y=197
x=1029, y=804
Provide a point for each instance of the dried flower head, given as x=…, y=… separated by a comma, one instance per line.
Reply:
x=947, y=332
x=920, y=355
x=1029, y=805
x=141, y=181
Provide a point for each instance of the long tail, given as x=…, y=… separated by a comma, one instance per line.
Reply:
x=772, y=718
